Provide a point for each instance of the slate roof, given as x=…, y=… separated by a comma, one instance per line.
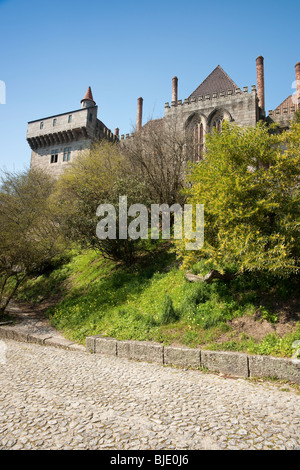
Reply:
x=153, y=124
x=217, y=81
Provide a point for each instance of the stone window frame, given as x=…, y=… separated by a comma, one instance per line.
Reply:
x=54, y=156
x=197, y=125
x=67, y=154
x=217, y=117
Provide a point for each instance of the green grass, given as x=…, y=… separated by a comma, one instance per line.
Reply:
x=153, y=301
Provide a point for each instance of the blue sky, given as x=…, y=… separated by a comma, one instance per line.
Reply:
x=52, y=51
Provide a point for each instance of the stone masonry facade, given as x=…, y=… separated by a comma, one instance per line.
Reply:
x=56, y=141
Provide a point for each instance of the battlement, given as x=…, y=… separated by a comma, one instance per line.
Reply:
x=282, y=111
x=217, y=95
x=127, y=136
x=102, y=132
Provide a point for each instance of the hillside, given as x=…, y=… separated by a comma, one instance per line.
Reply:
x=87, y=295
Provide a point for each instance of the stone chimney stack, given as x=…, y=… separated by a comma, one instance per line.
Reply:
x=117, y=131
x=260, y=82
x=174, y=90
x=139, y=115
x=297, y=68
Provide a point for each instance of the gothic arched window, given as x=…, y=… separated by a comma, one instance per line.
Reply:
x=196, y=129
x=198, y=140
x=217, y=118
x=218, y=124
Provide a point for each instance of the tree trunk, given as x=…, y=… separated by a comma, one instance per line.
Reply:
x=208, y=278
x=11, y=295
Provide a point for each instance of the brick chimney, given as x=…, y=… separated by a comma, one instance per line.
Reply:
x=139, y=115
x=297, y=68
x=260, y=82
x=174, y=90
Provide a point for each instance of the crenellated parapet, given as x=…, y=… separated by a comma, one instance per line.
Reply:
x=66, y=128
x=240, y=104
x=211, y=97
x=284, y=113
x=127, y=136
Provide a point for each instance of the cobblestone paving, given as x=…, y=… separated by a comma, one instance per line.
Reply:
x=56, y=399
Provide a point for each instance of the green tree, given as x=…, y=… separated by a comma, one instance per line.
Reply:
x=99, y=176
x=249, y=185
x=297, y=116
x=30, y=236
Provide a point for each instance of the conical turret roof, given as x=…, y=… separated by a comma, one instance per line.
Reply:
x=88, y=95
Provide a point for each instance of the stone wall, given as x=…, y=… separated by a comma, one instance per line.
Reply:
x=41, y=158
x=75, y=130
x=282, y=117
x=242, y=106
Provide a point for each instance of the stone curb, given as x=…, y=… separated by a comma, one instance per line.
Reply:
x=231, y=363
x=11, y=332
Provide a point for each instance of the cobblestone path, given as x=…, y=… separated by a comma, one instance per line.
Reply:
x=51, y=398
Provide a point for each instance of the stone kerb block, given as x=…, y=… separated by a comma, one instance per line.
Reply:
x=12, y=333
x=268, y=366
x=144, y=351
x=123, y=349
x=182, y=357
x=105, y=345
x=90, y=344
x=227, y=362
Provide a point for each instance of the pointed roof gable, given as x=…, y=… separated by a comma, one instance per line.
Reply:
x=287, y=103
x=88, y=95
x=217, y=81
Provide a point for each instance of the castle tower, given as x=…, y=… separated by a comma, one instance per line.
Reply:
x=88, y=100
x=56, y=141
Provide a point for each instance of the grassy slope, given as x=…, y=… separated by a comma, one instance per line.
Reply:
x=96, y=296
